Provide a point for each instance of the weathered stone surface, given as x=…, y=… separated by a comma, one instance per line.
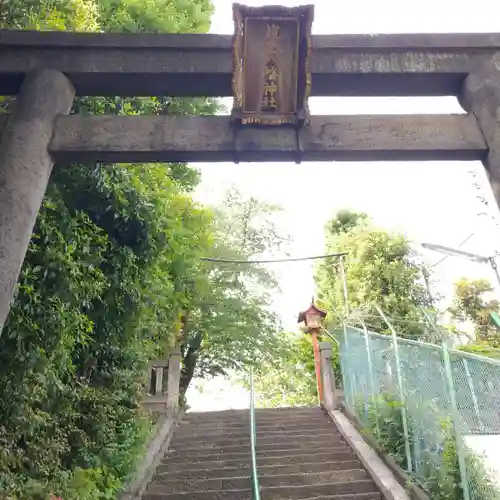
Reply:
x=211, y=139
x=481, y=96
x=170, y=464
x=330, y=399
x=269, y=450
x=138, y=64
x=229, y=439
x=270, y=493
x=202, y=434
x=279, y=469
x=156, y=447
x=289, y=449
x=234, y=483
x=386, y=481
x=25, y=167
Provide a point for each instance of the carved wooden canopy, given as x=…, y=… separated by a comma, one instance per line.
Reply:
x=271, y=75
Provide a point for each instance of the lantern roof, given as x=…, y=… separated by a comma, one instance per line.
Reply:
x=312, y=309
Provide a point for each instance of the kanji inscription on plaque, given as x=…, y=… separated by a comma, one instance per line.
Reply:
x=271, y=76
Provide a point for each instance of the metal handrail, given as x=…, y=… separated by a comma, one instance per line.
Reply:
x=253, y=442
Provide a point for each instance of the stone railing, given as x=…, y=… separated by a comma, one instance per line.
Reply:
x=162, y=389
x=162, y=399
x=331, y=394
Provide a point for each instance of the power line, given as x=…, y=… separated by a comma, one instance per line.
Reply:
x=296, y=259
x=447, y=256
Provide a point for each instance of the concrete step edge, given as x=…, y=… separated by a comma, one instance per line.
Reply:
x=300, y=417
x=278, y=452
x=310, y=436
x=185, y=433
x=286, y=443
x=350, y=496
x=245, y=457
x=290, y=478
x=258, y=411
x=210, y=432
x=264, y=421
x=266, y=469
x=306, y=423
x=375, y=495
x=347, y=485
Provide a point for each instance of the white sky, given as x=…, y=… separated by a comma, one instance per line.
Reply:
x=433, y=201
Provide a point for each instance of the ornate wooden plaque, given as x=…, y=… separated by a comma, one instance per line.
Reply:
x=271, y=75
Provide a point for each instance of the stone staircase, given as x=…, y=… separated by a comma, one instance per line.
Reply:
x=300, y=455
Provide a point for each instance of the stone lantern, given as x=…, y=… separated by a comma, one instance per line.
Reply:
x=313, y=318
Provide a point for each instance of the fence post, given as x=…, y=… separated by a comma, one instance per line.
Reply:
x=475, y=402
x=369, y=360
x=346, y=370
x=370, y=373
x=404, y=413
x=330, y=400
x=456, y=418
x=344, y=346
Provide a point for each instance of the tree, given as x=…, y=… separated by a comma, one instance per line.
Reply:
x=155, y=16
x=380, y=270
x=230, y=324
x=111, y=265
x=469, y=303
x=286, y=377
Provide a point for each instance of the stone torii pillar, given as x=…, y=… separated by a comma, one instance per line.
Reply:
x=481, y=96
x=25, y=167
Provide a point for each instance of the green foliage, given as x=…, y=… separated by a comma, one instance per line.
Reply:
x=469, y=303
x=156, y=16
x=481, y=349
x=113, y=261
x=51, y=15
x=384, y=421
x=444, y=483
x=380, y=270
x=133, y=16
x=231, y=325
x=287, y=376
x=439, y=472
x=108, y=268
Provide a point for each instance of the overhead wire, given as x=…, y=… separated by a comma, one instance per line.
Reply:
x=459, y=246
x=272, y=261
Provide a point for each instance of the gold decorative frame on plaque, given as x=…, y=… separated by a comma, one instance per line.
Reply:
x=271, y=56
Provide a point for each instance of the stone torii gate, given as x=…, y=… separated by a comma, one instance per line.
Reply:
x=46, y=70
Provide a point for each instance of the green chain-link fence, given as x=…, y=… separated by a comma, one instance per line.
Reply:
x=425, y=405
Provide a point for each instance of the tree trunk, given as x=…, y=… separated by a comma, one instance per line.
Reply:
x=190, y=358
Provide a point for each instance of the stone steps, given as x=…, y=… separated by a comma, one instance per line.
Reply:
x=300, y=456
x=235, y=446
x=263, y=425
x=292, y=450
x=264, y=438
x=263, y=418
x=157, y=492
x=173, y=465
x=234, y=483
x=190, y=433
x=259, y=412
x=266, y=470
